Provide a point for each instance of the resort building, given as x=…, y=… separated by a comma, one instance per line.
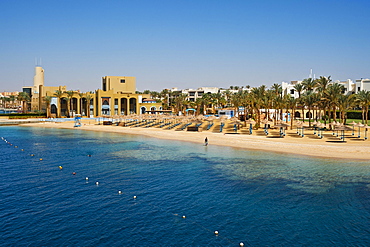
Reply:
x=288, y=88
x=362, y=84
x=349, y=87
x=117, y=97
x=193, y=95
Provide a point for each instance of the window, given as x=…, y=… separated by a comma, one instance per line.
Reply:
x=123, y=81
x=291, y=91
x=191, y=93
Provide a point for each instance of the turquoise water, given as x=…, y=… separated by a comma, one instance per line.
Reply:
x=258, y=198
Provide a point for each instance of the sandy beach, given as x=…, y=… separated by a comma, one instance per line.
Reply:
x=310, y=145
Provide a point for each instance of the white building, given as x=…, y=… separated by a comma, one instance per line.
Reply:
x=193, y=95
x=288, y=88
x=362, y=84
x=349, y=86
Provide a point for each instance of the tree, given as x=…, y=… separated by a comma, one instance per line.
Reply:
x=333, y=93
x=88, y=97
x=309, y=84
x=309, y=99
x=363, y=99
x=322, y=88
x=81, y=102
x=47, y=100
x=257, y=96
x=24, y=98
x=68, y=98
x=345, y=103
x=59, y=95
x=291, y=104
x=299, y=88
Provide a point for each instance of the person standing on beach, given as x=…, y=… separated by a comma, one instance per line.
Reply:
x=206, y=142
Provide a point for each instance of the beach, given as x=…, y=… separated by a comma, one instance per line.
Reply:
x=310, y=145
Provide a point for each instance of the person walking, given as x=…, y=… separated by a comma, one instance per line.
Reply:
x=206, y=142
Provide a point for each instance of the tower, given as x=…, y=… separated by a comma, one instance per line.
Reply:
x=38, y=79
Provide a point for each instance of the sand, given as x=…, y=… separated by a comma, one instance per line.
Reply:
x=310, y=145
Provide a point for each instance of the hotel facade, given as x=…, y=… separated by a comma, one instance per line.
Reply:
x=117, y=97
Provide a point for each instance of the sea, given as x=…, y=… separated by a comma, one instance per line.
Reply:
x=63, y=187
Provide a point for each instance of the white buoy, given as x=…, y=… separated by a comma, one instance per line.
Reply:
x=97, y=183
x=87, y=178
x=216, y=232
x=134, y=197
x=241, y=244
x=119, y=192
x=183, y=217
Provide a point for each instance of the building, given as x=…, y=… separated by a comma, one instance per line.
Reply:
x=362, y=84
x=117, y=97
x=349, y=86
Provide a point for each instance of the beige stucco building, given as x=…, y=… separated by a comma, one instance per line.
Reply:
x=117, y=97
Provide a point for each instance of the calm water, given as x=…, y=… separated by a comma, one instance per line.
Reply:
x=258, y=198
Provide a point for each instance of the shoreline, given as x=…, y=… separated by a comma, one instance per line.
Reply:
x=290, y=144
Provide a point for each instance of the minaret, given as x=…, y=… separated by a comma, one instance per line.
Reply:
x=38, y=79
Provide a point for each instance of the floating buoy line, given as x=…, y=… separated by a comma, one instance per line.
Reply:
x=215, y=232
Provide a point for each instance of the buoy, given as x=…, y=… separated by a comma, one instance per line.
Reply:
x=119, y=192
x=97, y=183
x=183, y=217
x=32, y=155
x=40, y=159
x=60, y=167
x=89, y=155
x=241, y=244
x=73, y=173
x=87, y=178
x=22, y=149
x=216, y=232
x=134, y=197
x=16, y=146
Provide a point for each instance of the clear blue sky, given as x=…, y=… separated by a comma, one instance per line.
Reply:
x=184, y=44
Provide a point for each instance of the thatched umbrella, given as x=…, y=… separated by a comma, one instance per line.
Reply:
x=342, y=129
x=366, y=128
x=282, y=126
x=359, y=125
x=250, y=122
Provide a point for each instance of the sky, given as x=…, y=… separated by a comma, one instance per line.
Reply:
x=183, y=44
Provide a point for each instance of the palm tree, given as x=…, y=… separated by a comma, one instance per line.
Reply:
x=47, y=100
x=309, y=84
x=81, y=102
x=165, y=95
x=24, y=98
x=363, y=99
x=236, y=100
x=258, y=94
x=70, y=94
x=59, y=95
x=345, y=103
x=333, y=93
x=322, y=88
x=309, y=99
x=88, y=97
x=12, y=99
x=291, y=103
x=179, y=100
x=299, y=88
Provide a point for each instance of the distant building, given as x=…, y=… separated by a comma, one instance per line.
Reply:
x=349, y=87
x=362, y=84
x=194, y=94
